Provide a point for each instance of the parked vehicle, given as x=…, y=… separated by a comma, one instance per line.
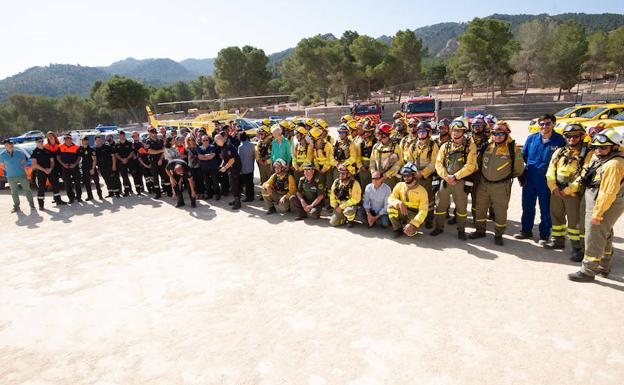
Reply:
x=422, y=108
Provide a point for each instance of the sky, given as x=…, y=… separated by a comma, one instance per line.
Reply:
x=97, y=33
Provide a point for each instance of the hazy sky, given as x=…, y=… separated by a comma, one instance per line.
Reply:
x=37, y=32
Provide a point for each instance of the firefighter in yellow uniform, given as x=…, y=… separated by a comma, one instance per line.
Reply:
x=288, y=129
x=604, y=203
x=444, y=133
x=499, y=163
x=408, y=204
x=303, y=152
x=345, y=195
x=263, y=153
x=277, y=191
x=386, y=157
x=344, y=150
x=399, y=131
x=408, y=140
x=346, y=118
x=322, y=150
x=364, y=150
x=424, y=153
x=457, y=160
x=564, y=169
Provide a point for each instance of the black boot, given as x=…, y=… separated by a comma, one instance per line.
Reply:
x=461, y=235
x=556, y=243
x=579, y=276
x=397, y=233
x=237, y=204
x=436, y=232
x=577, y=255
x=193, y=202
x=498, y=240
x=272, y=210
x=452, y=221
x=349, y=224
x=40, y=200
x=476, y=235
x=180, y=203
x=523, y=235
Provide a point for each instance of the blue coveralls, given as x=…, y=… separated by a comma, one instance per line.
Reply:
x=536, y=156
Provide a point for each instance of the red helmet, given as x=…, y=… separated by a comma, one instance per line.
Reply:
x=385, y=128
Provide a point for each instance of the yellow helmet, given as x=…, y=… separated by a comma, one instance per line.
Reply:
x=352, y=124
x=608, y=137
x=316, y=132
x=322, y=124
x=346, y=118
x=301, y=130
x=285, y=124
x=342, y=168
x=266, y=122
x=309, y=122
x=265, y=129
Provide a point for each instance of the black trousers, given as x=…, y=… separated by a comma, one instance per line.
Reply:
x=179, y=189
x=55, y=179
x=137, y=175
x=211, y=182
x=159, y=176
x=110, y=179
x=124, y=170
x=235, y=184
x=86, y=182
x=198, y=180
x=71, y=177
x=224, y=181
x=42, y=178
x=246, y=181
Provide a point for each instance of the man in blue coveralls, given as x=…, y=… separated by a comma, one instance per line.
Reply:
x=537, y=151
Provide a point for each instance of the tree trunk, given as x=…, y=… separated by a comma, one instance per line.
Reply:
x=617, y=78
x=399, y=98
x=591, y=82
x=559, y=95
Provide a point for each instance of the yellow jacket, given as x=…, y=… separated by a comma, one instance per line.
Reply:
x=424, y=156
x=291, y=188
x=303, y=153
x=351, y=159
x=468, y=166
x=405, y=147
x=564, y=167
x=415, y=198
x=354, y=195
x=496, y=162
x=380, y=159
x=323, y=156
x=610, y=175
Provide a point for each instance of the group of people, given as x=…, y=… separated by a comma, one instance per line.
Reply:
x=392, y=175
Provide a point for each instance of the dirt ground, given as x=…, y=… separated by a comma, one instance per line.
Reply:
x=134, y=291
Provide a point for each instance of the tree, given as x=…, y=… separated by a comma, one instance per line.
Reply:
x=535, y=39
x=485, y=51
x=124, y=93
x=406, y=52
x=596, y=55
x=203, y=88
x=368, y=53
x=616, y=53
x=568, y=53
x=241, y=71
x=257, y=75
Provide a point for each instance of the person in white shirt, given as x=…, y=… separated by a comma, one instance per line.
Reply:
x=374, y=202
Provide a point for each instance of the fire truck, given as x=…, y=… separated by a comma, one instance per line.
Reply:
x=370, y=110
x=422, y=108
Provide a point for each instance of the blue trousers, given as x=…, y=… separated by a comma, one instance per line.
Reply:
x=536, y=189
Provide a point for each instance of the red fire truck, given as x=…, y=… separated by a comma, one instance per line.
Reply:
x=422, y=108
x=370, y=110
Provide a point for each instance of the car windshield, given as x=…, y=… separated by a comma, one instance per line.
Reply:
x=246, y=124
x=473, y=113
x=596, y=112
x=424, y=106
x=564, y=112
x=620, y=116
x=364, y=110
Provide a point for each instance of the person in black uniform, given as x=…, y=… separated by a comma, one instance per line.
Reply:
x=143, y=160
x=69, y=159
x=106, y=163
x=87, y=155
x=135, y=167
x=231, y=164
x=43, y=166
x=180, y=176
x=224, y=180
x=156, y=150
x=52, y=145
x=124, y=152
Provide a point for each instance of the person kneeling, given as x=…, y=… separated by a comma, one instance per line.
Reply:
x=180, y=176
x=374, y=204
x=345, y=195
x=310, y=194
x=409, y=203
x=277, y=191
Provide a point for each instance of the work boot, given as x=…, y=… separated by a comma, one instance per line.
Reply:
x=218, y=197
x=179, y=204
x=89, y=197
x=349, y=224
x=523, y=235
x=15, y=210
x=300, y=217
x=453, y=220
x=272, y=210
x=193, y=202
x=100, y=196
x=555, y=243
x=31, y=204
x=237, y=204
x=461, y=235
x=429, y=224
x=579, y=276
x=477, y=235
x=436, y=232
x=498, y=240
x=577, y=255
x=231, y=203
x=604, y=272
x=59, y=202
x=397, y=233
x=110, y=195
x=126, y=193
x=41, y=201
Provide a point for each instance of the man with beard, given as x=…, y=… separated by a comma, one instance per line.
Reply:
x=345, y=195
x=408, y=204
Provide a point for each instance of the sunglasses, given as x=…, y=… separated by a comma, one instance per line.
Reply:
x=572, y=136
x=545, y=124
x=422, y=132
x=498, y=133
